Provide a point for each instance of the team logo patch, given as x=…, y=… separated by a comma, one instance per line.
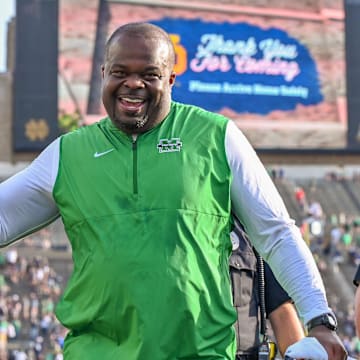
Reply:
x=169, y=145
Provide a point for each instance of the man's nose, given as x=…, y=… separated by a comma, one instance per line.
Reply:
x=134, y=81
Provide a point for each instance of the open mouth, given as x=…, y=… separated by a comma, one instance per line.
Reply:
x=133, y=105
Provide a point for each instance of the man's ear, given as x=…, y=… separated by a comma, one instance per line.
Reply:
x=172, y=78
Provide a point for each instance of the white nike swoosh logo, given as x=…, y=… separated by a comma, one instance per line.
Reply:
x=98, y=154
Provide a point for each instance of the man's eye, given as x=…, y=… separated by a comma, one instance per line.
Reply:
x=118, y=73
x=152, y=76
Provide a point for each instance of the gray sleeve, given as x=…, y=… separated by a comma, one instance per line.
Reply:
x=26, y=202
x=258, y=205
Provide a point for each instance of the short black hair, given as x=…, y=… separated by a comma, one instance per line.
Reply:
x=143, y=29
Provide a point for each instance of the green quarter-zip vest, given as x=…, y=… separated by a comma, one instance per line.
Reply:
x=148, y=221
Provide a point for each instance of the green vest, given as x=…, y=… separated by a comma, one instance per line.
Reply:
x=149, y=223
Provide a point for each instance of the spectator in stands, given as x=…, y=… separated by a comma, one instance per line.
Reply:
x=315, y=209
x=346, y=240
x=146, y=196
x=4, y=324
x=334, y=246
x=18, y=355
x=300, y=197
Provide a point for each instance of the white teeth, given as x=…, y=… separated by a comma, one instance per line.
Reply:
x=132, y=100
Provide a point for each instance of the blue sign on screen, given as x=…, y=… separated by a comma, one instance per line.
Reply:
x=240, y=66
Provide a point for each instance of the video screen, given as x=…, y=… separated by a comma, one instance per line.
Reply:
x=280, y=78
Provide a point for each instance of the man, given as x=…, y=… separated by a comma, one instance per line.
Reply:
x=256, y=294
x=145, y=197
x=357, y=301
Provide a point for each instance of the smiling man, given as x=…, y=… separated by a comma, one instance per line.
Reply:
x=137, y=79
x=146, y=197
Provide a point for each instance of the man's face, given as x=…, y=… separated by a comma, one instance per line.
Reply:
x=137, y=81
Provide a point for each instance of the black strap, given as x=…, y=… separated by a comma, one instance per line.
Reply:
x=261, y=286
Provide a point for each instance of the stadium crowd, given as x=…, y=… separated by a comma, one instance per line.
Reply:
x=29, y=289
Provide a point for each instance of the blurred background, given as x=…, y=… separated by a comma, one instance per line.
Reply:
x=286, y=72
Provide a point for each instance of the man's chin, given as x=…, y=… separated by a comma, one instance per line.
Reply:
x=133, y=124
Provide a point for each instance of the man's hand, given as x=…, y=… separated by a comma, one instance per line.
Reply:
x=330, y=341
